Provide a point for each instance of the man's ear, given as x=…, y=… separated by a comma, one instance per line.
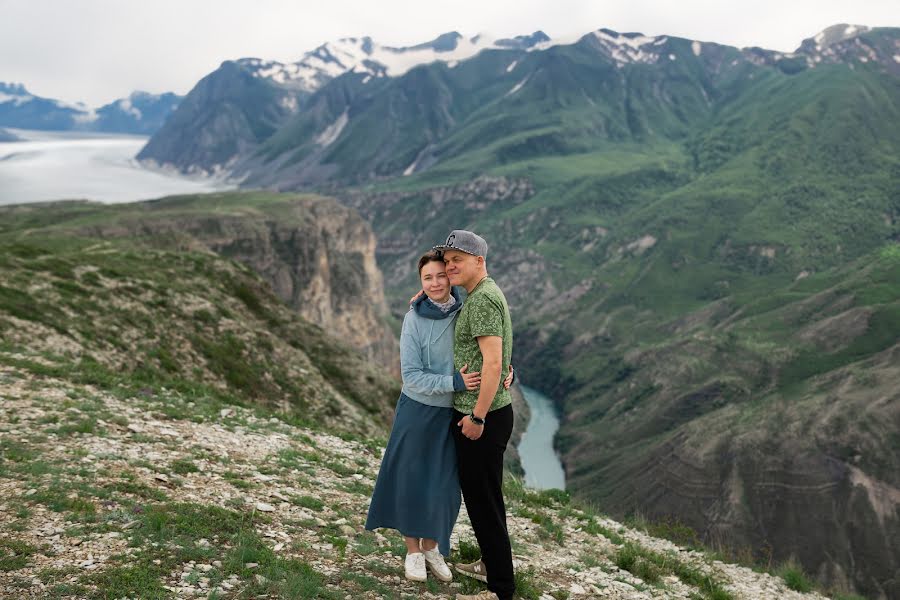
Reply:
x=480, y=260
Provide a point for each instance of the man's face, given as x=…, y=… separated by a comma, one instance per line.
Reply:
x=461, y=267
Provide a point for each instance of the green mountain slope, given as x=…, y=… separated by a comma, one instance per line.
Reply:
x=503, y=106
x=228, y=113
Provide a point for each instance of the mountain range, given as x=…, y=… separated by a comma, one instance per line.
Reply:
x=281, y=125
x=244, y=102
x=140, y=113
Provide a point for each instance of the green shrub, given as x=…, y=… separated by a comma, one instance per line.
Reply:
x=14, y=554
x=183, y=466
x=795, y=578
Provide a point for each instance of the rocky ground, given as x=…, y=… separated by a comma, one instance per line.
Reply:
x=107, y=494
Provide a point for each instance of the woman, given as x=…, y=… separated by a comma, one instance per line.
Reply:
x=417, y=490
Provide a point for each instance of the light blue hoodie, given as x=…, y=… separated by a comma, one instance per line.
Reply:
x=426, y=353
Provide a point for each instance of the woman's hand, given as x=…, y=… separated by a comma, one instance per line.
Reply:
x=509, y=378
x=472, y=380
x=417, y=296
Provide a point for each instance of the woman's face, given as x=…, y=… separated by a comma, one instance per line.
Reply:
x=434, y=281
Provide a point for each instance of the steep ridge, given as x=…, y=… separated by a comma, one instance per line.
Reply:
x=228, y=113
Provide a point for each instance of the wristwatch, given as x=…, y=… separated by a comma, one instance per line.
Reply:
x=476, y=420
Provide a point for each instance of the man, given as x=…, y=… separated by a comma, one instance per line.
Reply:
x=483, y=418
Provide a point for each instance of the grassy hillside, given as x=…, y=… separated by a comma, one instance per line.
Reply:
x=158, y=495
x=116, y=312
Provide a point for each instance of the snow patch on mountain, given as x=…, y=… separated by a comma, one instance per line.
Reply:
x=290, y=103
x=400, y=60
x=85, y=117
x=835, y=34
x=517, y=87
x=333, y=131
x=17, y=99
x=628, y=47
x=512, y=66
x=696, y=47
x=127, y=107
x=411, y=168
x=364, y=56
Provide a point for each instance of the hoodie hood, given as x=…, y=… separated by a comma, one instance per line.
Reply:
x=424, y=307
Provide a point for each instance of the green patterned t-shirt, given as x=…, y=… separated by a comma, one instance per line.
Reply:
x=484, y=313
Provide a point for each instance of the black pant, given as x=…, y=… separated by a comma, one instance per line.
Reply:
x=481, y=480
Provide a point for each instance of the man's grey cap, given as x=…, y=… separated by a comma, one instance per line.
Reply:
x=464, y=241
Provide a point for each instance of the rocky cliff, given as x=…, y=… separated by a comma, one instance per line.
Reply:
x=114, y=313
x=318, y=256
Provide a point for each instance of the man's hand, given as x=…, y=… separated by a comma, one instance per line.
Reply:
x=509, y=378
x=472, y=380
x=417, y=296
x=470, y=429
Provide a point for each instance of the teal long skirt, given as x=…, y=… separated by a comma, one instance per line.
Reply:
x=417, y=490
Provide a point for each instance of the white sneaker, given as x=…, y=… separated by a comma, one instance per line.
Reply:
x=415, y=567
x=437, y=565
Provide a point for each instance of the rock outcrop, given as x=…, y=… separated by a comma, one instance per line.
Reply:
x=318, y=256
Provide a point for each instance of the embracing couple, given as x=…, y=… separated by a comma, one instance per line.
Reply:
x=453, y=420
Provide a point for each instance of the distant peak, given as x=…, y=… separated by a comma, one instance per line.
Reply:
x=832, y=35
x=13, y=88
x=446, y=42
x=524, y=41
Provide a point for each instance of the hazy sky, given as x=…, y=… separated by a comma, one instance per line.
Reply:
x=94, y=51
